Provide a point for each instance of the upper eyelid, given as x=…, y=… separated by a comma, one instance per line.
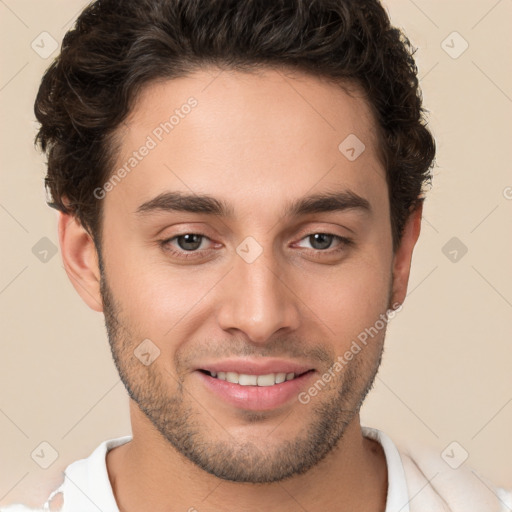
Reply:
x=312, y=226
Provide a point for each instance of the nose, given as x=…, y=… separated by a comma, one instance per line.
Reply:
x=258, y=300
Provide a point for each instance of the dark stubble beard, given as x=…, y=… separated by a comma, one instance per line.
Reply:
x=176, y=420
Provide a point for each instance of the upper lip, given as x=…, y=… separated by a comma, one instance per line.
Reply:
x=262, y=366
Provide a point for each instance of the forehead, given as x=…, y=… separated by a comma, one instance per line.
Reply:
x=268, y=135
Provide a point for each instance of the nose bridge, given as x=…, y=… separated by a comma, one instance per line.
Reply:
x=256, y=300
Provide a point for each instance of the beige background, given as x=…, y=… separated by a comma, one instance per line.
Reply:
x=446, y=374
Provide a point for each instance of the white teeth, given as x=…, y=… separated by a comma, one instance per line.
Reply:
x=247, y=380
x=267, y=380
x=253, y=380
x=280, y=377
x=232, y=377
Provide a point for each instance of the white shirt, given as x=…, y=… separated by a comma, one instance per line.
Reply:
x=414, y=485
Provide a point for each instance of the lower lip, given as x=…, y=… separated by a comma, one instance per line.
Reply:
x=256, y=398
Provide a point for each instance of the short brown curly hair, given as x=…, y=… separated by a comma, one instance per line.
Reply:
x=118, y=46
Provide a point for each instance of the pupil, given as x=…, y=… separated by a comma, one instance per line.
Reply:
x=195, y=240
x=323, y=238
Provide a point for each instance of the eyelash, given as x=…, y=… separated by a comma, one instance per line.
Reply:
x=344, y=243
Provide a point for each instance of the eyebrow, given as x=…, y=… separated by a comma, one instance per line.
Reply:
x=205, y=204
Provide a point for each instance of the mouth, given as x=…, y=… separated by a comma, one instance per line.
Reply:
x=256, y=392
x=244, y=379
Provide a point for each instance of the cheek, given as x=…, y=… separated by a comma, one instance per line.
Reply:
x=157, y=300
x=350, y=298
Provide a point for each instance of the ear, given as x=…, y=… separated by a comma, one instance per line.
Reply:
x=80, y=260
x=403, y=254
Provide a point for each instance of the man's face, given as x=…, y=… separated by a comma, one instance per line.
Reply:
x=253, y=286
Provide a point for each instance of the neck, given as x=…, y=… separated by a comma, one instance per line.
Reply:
x=148, y=473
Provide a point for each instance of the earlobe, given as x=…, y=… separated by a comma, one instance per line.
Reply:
x=403, y=255
x=80, y=260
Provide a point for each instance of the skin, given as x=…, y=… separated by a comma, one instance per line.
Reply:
x=255, y=141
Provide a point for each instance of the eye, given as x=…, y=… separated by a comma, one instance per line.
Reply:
x=186, y=245
x=192, y=245
x=189, y=241
x=321, y=242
